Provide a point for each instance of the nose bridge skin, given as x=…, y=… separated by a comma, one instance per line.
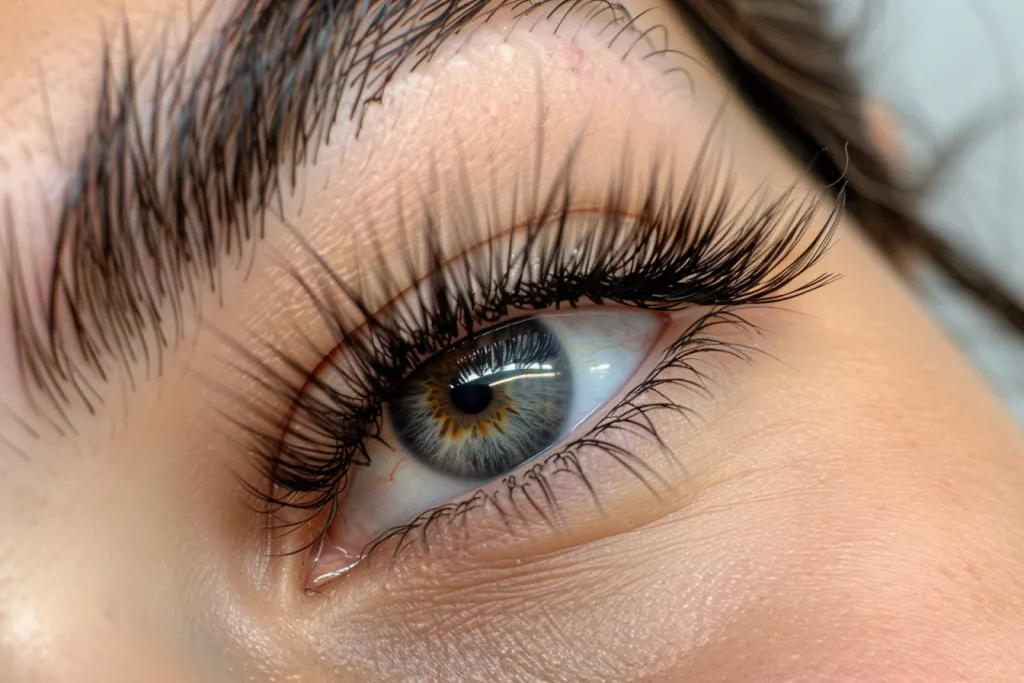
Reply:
x=90, y=589
x=67, y=632
x=65, y=619
x=68, y=623
x=83, y=651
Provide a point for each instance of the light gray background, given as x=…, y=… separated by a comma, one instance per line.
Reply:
x=945, y=66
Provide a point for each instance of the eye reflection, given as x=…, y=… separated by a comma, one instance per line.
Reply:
x=481, y=409
x=484, y=408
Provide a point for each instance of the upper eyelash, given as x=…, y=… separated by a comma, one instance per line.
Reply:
x=675, y=251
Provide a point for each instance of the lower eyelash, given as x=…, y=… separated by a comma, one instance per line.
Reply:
x=674, y=251
x=632, y=415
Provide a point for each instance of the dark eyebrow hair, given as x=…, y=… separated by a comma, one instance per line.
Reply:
x=175, y=181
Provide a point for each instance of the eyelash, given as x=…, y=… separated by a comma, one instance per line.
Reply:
x=677, y=251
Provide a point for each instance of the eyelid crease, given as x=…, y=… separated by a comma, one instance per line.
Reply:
x=448, y=263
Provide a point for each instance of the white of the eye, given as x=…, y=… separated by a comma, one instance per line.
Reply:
x=604, y=348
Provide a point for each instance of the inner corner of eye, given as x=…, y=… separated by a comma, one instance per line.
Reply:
x=485, y=407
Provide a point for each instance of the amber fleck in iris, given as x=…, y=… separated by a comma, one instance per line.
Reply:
x=486, y=406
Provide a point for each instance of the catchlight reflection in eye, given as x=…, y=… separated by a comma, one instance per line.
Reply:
x=481, y=408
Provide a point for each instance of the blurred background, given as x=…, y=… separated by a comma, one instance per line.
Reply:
x=951, y=68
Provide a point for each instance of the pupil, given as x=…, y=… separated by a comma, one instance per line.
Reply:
x=472, y=398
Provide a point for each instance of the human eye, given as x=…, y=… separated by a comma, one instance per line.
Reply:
x=502, y=389
x=483, y=408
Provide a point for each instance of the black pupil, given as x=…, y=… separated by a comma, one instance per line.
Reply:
x=472, y=398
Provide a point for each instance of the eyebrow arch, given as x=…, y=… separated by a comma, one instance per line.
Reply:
x=161, y=200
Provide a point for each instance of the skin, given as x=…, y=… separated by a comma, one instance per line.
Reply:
x=847, y=506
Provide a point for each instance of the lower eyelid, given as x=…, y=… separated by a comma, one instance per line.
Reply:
x=533, y=501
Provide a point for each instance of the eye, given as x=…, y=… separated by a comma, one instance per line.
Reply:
x=484, y=407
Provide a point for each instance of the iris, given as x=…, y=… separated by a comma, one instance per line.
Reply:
x=482, y=408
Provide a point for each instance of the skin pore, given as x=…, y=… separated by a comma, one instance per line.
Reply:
x=845, y=503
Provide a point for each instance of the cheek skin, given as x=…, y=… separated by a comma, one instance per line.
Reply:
x=888, y=538
x=854, y=517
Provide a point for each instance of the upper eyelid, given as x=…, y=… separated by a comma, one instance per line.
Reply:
x=669, y=262
x=145, y=225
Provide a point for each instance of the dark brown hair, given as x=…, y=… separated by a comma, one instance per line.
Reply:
x=798, y=75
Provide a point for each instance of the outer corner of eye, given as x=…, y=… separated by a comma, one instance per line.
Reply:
x=483, y=409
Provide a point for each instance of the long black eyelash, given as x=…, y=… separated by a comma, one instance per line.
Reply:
x=664, y=252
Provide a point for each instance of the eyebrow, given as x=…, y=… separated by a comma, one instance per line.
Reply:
x=161, y=200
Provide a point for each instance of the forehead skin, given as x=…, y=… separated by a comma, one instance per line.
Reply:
x=853, y=512
x=50, y=56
